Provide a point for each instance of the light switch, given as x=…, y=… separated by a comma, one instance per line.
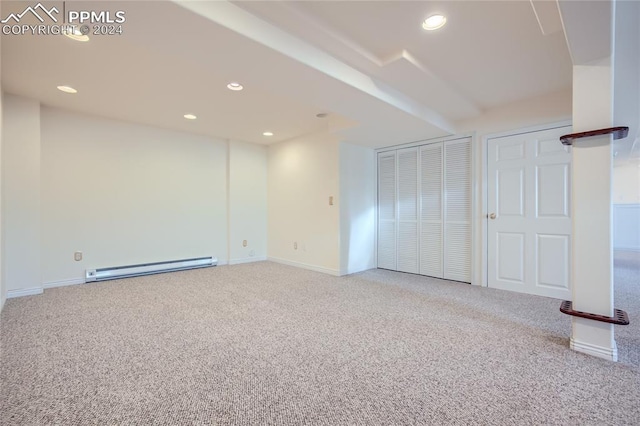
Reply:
x=331, y=200
x=77, y=256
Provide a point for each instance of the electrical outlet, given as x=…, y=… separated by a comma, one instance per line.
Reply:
x=77, y=256
x=252, y=253
x=295, y=245
x=244, y=243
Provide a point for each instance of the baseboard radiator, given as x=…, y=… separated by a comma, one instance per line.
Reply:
x=118, y=272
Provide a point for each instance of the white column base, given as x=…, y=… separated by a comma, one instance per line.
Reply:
x=610, y=354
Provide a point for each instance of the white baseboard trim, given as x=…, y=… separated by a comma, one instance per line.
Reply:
x=610, y=354
x=247, y=260
x=333, y=272
x=24, y=292
x=63, y=283
x=355, y=271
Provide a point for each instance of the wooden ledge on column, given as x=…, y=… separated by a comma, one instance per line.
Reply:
x=619, y=317
x=618, y=133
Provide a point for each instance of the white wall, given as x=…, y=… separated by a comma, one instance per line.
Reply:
x=626, y=206
x=549, y=108
x=247, y=202
x=3, y=290
x=626, y=112
x=357, y=208
x=21, y=196
x=626, y=68
x=303, y=174
x=626, y=227
x=626, y=183
x=125, y=194
x=626, y=107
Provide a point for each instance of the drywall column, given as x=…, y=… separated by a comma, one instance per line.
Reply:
x=591, y=188
x=603, y=41
x=247, y=195
x=21, y=196
x=304, y=227
x=357, y=208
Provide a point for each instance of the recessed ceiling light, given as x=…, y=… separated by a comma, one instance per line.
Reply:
x=434, y=22
x=234, y=86
x=67, y=89
x=190, y=116
x=76, y=34
x=267, y=134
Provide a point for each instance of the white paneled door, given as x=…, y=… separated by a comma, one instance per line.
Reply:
x=529, y=223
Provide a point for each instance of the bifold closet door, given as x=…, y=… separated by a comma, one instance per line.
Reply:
x=407, y=247
x=457, y=210
x=424, y=210
x=431, y=206
x=387, y=188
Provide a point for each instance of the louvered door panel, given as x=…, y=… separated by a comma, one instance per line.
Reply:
x=387, y=245
x=431, y=250
x=408, y=247
x=458, y=252
x=407, y=210
x=457, y=210
x=387, y=211
x=431, y=194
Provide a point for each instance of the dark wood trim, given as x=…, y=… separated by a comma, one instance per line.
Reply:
x=618, y=133
x=619, y=317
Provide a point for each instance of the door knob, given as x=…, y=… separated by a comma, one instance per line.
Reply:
x=492, y=216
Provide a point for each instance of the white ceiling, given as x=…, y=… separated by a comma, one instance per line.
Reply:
x=370, y=65
x=490, y=52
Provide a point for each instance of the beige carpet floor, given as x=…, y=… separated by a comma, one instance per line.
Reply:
x=269, y=344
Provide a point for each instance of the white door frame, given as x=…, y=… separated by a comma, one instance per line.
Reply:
x=481, y=270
